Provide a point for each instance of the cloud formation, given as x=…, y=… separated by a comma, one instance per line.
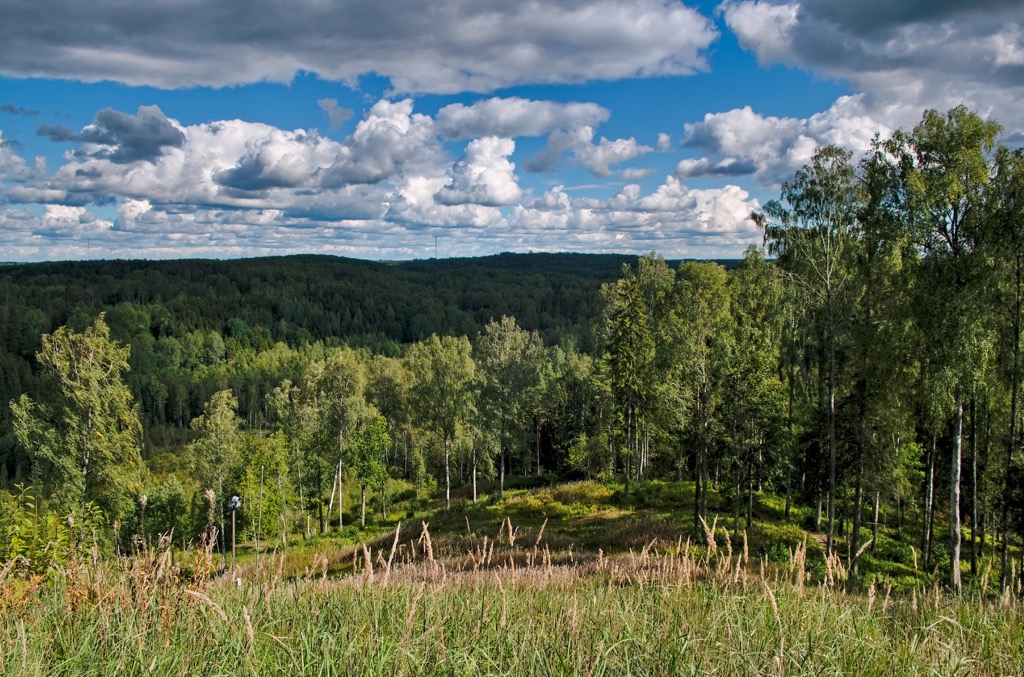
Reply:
x=336, y=115
x=146, y=185
x=903, y=56
x=12, y=166
x=514, y=116
x=578, y=142
x=464, y=45
x=11, y=109
x=484, y=176
x=773, y=148
x=120, y=137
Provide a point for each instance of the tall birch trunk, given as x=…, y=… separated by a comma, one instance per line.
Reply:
x=954, y=498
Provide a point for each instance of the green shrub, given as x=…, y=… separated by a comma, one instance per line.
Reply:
x=891, y=549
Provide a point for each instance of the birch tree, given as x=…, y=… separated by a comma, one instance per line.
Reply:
x=811, y=230
x=444, y=376
x=84, y=437
x=946, y=188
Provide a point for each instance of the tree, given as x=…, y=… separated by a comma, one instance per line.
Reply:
x=509, y=360
x=444, y=376
x=332, y=393
x=883, y=342
x=813, y=238
x=216, y=452
x=1006, y=243
x=387, y=389
x=629, y=350
x=369, y=446
x=945, y=188
x=83, y=437
x=287, y=411
x=263, y=483
x=701, y=337
x=752, y=394
x=166, y=511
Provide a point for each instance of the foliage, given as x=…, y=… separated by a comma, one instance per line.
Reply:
x=83, y=437
x=38, y=542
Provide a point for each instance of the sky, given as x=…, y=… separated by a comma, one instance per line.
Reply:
x=399, y=129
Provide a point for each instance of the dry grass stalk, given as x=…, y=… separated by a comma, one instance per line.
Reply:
x=425, y=539
x=367, y=563
x=709, y=536
x=984, y=579
x=780, y=658
x=278, y=573
x=504, y=603
x=200, y=597
x=541, y=534
x=511, y=533
x=863, y=548
x=411, y=613
x=249, y=634
x=728, y=544
x=23, y=640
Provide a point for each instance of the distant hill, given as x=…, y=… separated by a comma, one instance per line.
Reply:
x=307, y=297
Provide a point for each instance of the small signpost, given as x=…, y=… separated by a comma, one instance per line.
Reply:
x=234, y=504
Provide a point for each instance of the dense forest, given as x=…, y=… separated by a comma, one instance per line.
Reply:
x=197, y=326
x=867, y=362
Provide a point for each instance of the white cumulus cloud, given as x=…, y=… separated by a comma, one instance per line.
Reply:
x=484, y=176
x=514, y=116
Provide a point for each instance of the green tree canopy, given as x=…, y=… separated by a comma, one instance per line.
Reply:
x=83, y=437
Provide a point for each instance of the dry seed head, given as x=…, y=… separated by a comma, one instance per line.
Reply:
x=208, y=602
x=541, y=534
x=368, y=562
x=249, y=634
x=709, y=536
x=863, y=548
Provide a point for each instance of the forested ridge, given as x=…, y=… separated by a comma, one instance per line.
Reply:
x=191, y=315
x=863, y=368
x=299, y=298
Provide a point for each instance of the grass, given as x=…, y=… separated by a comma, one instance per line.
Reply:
x=506, y=606
x=567, y=579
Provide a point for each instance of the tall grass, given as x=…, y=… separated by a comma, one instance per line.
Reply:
x=506, y=605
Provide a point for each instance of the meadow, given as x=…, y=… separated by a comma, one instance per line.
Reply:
x=502, y=589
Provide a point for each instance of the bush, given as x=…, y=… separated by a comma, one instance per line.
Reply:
x=574, y=499
x=767, y=538
x=591, y=494
x=893, y=550
x=660, y=494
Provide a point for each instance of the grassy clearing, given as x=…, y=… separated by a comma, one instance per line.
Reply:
x=504, y=605
x=569, y=579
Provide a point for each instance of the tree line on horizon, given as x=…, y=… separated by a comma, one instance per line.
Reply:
x=866, y=363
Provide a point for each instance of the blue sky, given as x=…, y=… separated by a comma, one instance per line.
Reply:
x=180, y=128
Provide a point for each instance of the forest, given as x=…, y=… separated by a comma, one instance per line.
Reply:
x=857, y=379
